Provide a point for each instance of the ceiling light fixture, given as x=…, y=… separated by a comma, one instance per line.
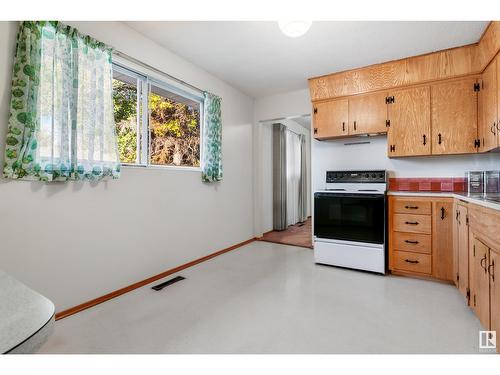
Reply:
x=294, y=29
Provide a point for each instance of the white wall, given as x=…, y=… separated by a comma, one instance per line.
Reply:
x=76, y=241
x=333, y=154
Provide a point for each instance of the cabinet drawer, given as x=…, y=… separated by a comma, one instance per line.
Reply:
x=413, y=262
x=412, y=223
x=415, y=242
x=412, y=207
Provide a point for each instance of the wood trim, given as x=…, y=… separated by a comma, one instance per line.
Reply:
x=263, y=234
x=488, y=46
x=421, y=276
x=86, y=305
x=449, y=63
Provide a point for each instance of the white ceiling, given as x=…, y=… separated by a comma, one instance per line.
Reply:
x=258, y=59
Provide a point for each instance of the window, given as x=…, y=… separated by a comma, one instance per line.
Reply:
x=157, y=122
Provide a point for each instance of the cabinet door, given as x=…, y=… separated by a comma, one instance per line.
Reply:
x=454, y=117
x=494, y=292
x=462, y=251
x=455, y=244
x=497, y=61
x=410, y=129
x=330, y=119
x=442, y=240
x=368, y=114
x=479, y=282
x=488, y=107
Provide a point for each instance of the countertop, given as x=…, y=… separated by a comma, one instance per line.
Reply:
x=25, y=316
x=478, y=199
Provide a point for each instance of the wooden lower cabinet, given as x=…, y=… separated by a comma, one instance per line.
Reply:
x=421, y=236
x=479, y=281
x=484, y=257
x=494, y=292
x=412, y=262
x=442, y=229
x=461, y=249
x=462, y=246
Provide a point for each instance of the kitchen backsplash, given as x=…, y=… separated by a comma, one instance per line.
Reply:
x=428, y=184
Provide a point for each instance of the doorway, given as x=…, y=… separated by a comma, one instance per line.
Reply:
x=285, y=180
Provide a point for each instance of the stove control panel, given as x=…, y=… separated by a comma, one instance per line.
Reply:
x=376, y=176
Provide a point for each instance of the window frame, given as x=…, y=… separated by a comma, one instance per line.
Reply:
x=147, y=79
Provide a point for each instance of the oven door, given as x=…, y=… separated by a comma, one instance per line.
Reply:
x=350, y=217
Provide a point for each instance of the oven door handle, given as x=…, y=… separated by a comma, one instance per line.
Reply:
x=348, y=195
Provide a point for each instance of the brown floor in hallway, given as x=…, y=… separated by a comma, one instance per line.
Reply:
x=297, y=235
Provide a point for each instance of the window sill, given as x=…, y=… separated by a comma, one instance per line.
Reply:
x=163, y=167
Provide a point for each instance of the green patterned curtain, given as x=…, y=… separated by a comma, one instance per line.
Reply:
x=61, y=124
x=211, y=166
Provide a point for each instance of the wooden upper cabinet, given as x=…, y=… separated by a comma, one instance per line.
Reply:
x=442, y=239
x=368, y=114
x=330, y=119
x=454, y=117
x=488, y=107
x=410, y=122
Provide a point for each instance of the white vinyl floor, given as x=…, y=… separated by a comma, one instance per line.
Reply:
x=271, y=298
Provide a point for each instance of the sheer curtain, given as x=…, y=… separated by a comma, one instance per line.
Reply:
x=61, y=124
x=293, y=177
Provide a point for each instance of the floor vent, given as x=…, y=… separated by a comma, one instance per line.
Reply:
x=167, y=283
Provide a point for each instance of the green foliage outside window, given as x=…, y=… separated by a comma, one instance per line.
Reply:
x=174, y=128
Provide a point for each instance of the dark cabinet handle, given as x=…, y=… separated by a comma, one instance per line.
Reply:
x=481, y=263
x=411, y=207
x=425, y=139
x=315, y=130
x=412, y=242
x=442, y=213
x=411, y=261
x=354, y=125
x=411, y=222
x=492, y=266
x=492, y=129
x=439, y=138
x=343, y=126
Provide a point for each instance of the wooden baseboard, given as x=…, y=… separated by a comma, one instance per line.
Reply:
x=419, y=276
x=119, y=292
x=263, y=234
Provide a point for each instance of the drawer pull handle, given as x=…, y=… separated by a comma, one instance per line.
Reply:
x=411, y=207
x=411, y=222
x=411, y=261
x=413, y=242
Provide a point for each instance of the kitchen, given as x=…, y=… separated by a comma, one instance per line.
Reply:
x=440, y=228
x=268, y=187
